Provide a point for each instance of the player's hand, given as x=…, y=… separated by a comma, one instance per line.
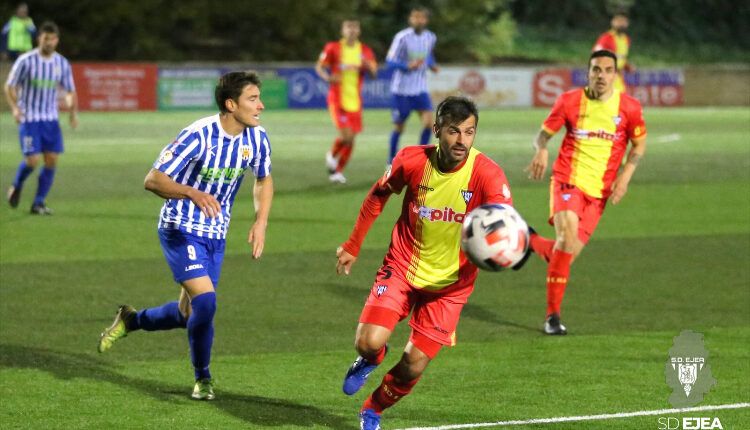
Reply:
x=205, y=202
x=257, y=238
x=17, y=115
x=538, y=165
x=73, y=120
x=344, y=262
x=619, y=188
x=435, y=68
x=415, y=64
x=334, y=79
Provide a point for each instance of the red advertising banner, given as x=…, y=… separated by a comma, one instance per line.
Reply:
x=116, y=86
x=549, y=84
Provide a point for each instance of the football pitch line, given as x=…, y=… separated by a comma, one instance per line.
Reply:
x=585, y=417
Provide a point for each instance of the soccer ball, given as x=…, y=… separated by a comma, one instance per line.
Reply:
x=495, y=237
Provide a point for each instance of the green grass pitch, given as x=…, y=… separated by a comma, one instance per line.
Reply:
x=674, y=255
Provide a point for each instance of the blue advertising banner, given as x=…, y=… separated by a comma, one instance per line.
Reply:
x=307, y=91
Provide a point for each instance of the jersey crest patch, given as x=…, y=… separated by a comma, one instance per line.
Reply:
x=466, y=194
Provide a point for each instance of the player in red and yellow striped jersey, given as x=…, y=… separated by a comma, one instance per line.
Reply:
x=424, y=273
x=599, y=121
x=615, y=40
x=343, y=64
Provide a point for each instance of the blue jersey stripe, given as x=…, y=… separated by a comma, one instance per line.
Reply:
x=204, y=157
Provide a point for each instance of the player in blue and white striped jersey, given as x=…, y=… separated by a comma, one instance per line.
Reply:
x=199, y=174
x=31, y=92
x=410, y=55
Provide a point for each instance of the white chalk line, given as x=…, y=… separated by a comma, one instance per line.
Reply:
x=586, y=417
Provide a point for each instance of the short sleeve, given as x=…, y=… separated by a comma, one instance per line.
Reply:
x=367, y=53
x=66, y=78
x=606, y=42
x=187, y=146
x=495, y=186
x=395, y=52
x=262, y=163
x=17, y=75
x=556, y=118
x=636, y=123
x=326, y=56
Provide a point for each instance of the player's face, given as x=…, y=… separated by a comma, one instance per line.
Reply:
x=48, y=42
x=455, y=141
x=248, y=107
x=620, y=23
x=602, y=74
x=418, y=20
x=350, y=30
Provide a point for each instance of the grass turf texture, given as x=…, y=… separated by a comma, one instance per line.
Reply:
x=672, y=256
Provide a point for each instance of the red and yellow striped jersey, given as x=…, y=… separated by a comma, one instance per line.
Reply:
x=597, y=136
x=346, y=62
x=425, y=243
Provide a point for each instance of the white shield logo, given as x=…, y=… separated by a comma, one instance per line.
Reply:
x=688, y=374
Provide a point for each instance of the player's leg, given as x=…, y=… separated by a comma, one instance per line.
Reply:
x=333, y=154
x=200, y=327
x=567, y=245
x=52, y=146
x=389, y=302
x=423, y=105
x=397, y=383
x=29, y=137
x=399, y=113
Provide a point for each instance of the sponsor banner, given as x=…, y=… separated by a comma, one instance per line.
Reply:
x=305, y=89
x=487, y=86
x=116, y=86
x=657, y=87
x=184, y=88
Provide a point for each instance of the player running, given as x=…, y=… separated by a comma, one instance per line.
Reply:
x=599, y=121
x=199, y=174
x=617, y=41
x=31, y=92
x=424, y=272
x=410, y=55
x=342, y=64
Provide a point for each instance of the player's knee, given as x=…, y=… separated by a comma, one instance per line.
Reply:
x=32, y=161
x=204, y=308
x=398, y=127
x=368, y=344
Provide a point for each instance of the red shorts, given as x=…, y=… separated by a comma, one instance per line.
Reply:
x=343, y=119
x=434, y=315
x=567, y=197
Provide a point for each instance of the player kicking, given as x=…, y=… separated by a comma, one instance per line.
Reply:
x=199, y=174
x=342, y=64
x=599, y=122
x=424, y=271
x=410, y=55
x=31, y=92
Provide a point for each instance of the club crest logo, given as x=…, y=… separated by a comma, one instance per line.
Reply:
x=566, y=197
x=687, y=370
x=245, y=152
x=381, y=289
x=466, y=194
x=165, y=156
x=617, y=119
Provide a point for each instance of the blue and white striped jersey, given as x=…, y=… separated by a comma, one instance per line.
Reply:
x=205, y=157
x=407, y=45
x=38, y=79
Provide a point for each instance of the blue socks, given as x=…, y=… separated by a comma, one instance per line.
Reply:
x=424, y=138
x=22, y=173
x=165, y=317
x=395, y=136
x=45, y=183
x=200, y=328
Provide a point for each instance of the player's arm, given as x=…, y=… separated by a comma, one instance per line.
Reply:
x=539, y=162
x=71, y=101
x=165, y=187
x=620, y=186
x=11, y=96
x=262, y=197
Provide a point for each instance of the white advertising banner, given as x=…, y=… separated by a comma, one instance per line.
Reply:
x=487, y=86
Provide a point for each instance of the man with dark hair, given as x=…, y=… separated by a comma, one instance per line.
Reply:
x=18, y=33
x=617, y=41
x=343, y=64
x=410, y=55
x=199, y=175
x=31, y=92
x=424, y=272
x=599, y=121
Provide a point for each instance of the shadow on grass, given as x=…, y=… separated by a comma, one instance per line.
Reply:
x=252, y=409
x=481, y=313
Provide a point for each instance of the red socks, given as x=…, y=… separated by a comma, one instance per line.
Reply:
x=379, y=356
x=388, y=393
x=336, y=148
x=557, y=279
x=542, y=246
x=344, y=153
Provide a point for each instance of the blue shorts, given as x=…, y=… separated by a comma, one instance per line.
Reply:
x=40, y=136
x=403, y=105
x=191, y=256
